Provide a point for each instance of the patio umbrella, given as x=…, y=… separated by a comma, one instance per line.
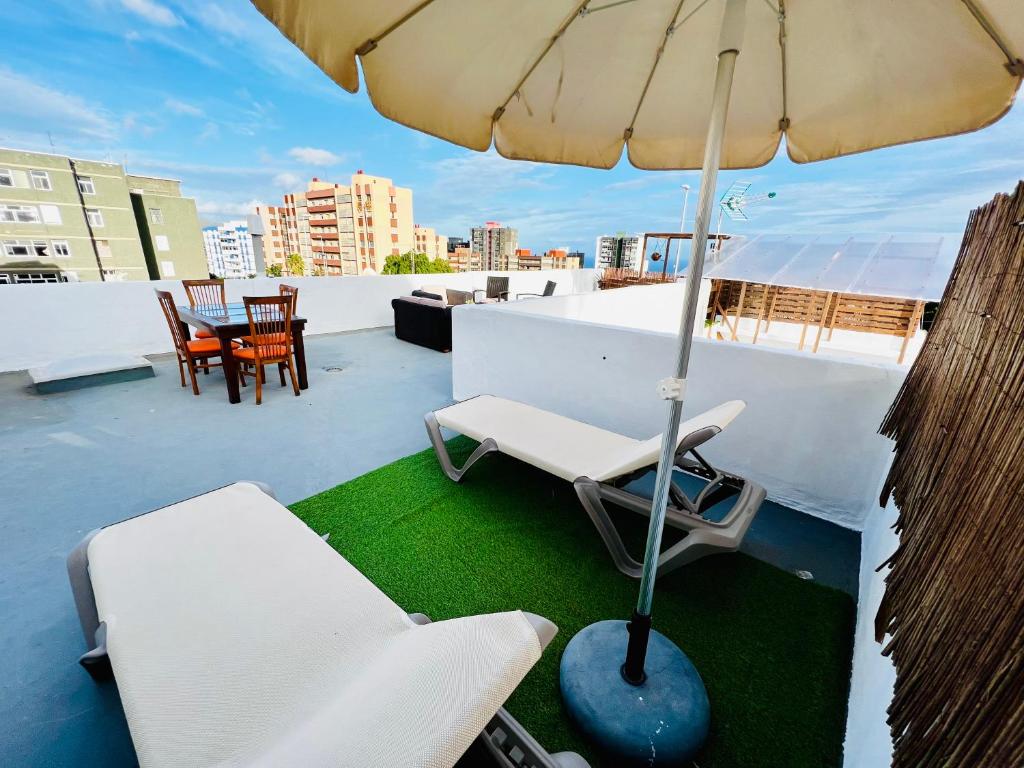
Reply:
x=565, y=81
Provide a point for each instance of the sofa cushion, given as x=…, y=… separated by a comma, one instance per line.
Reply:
x=423, y=301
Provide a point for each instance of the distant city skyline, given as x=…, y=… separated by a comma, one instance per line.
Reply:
x=212, y=94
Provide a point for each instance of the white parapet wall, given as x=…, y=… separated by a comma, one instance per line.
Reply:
x=868, y=741
x=808, y=434
x=46, y=323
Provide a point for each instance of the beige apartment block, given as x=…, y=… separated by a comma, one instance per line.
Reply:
x=561, y=258
x=427, y=241
x=276, y=244
x=64, y=219
x=464, y=259
x=348, y=229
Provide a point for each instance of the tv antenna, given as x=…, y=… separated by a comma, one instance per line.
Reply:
x=734, y=204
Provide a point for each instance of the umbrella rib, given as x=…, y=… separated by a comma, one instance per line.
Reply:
x=781, y=11
x=628, y=133
x=370, y=44
x=551, y=43
x=1014, y=65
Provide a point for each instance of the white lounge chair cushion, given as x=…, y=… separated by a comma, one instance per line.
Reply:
x=239, y=638
x=562, y=446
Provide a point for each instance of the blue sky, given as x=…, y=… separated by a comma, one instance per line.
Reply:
x=210, y=93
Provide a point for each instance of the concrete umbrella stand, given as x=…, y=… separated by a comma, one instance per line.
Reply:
x=628, y=687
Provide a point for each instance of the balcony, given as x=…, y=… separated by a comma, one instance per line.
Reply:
x=323, y=208
x=332, y=222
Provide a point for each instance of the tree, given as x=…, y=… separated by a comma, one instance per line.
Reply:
x=402, y=265
x=295, y=264
x=274, y=270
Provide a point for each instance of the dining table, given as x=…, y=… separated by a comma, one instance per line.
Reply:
x=229, y=321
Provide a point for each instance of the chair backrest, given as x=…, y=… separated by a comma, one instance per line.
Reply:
x=270, y=323
x=496, y=286
x=173, y=321
x=549, y=288
x=289, y=290
x=205, y=293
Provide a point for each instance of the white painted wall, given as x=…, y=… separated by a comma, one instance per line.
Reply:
x=51, y=322
x=808, y=434
x=868, y=742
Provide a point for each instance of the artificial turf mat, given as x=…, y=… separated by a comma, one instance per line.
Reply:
x=774, y=651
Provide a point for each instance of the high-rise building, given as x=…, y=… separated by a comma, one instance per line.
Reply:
x=575, y=257
x=229, y=249
x=456, y=242
x=348, y=229
x=425, y=240
x=276, y=243
x=617, y=251
x=496, y=246
x=66, y=219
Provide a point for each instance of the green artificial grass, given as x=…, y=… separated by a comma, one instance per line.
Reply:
x=774, y=651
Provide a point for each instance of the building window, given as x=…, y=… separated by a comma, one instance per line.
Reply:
x=156, y=215
x=162, y=243
x=85, y=186
x=16, y=248
x=94, y=216
x=51, y=214
x=39, y=249
x=6, y=177
x=61, y=248
x=19, y=214
x=40, y=180
x=103, y=249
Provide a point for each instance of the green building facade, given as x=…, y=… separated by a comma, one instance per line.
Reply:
x=63, y=219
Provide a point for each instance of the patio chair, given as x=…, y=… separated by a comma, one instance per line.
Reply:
x=190, y=353
x=282, y=290
x=270, y=339
x=497, y=290
x=238, y=637
x=600, y=464
x=205, y=293
x=549, y=290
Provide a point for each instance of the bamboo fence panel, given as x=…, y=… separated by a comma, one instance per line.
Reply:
x=617, y=277
x=954, y=599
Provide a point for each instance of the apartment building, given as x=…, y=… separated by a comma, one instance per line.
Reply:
x=348, y=229
x=618, y=251
x=560, y=258
x=230, y=252
x=426, y=240
x=527, y=259
x=276, y=243
x=464, y=259
x=496, y=246
x=64, y=219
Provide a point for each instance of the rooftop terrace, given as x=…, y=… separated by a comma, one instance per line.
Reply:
x=78, y=460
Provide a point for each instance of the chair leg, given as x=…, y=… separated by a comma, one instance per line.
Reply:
x=291, y=371
x=181, y=371
x=280, y=372
x=259, y=385
x=241, y=375
x=192, y=375
x=263, y=374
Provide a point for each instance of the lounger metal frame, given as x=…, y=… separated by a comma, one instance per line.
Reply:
x=704, y=537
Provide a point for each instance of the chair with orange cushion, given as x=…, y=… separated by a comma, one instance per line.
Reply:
x=205, y=293
x=270, y=333
x=283, y=290
x=190, y=353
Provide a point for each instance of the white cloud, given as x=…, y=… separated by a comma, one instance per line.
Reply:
x=213, y=209
x=153, y=12
x=287, y=180
x=180, y=107
x=32, y=106
x=314, y=156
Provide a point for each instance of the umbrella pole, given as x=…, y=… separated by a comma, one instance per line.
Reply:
x=675, y=389
x=662, y=718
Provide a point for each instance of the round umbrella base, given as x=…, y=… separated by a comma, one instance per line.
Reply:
x=663, y=721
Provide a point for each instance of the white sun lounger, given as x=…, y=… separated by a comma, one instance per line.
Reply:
x=239, y=638
x=600, y=463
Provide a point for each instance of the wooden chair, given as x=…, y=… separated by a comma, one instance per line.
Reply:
x=190, y=353
x=205, y=293
x=497, y=290
x=270, y=332
x=283, y=290
x=549, y=290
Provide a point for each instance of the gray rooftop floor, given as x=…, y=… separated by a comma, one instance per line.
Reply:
x=75, y=461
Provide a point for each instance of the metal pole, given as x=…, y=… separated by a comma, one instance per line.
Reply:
x=682, y=226
x=729, y=46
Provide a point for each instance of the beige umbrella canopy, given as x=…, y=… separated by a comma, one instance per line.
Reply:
x=565, y=81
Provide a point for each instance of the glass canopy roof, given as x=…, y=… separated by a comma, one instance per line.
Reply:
x=906, y=267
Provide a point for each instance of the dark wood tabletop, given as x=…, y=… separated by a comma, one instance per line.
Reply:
x=229, y=321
